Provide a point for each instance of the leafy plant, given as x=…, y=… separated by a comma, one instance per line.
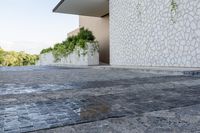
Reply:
x=59, y=50
x=138, y=7
x=78, y=43
x=1, y=55
x=95, y=48
x=47, y=50
x=174, y=7
x=85, y=34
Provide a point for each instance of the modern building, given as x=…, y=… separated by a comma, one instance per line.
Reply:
x=100, y=28
x=144, y=32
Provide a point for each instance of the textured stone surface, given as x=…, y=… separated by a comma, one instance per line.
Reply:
x=148, y=33
x=165, y=121
x=97, y=100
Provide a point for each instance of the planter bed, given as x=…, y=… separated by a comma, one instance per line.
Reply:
x=89, y=56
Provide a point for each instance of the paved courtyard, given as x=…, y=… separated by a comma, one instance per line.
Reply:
x=86, y=100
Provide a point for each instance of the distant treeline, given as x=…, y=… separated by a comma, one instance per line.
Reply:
x=12, y=58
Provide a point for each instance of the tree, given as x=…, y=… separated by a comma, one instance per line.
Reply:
x=12, y=58
x=1, y=56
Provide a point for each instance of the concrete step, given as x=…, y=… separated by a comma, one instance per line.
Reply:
x=156, y=70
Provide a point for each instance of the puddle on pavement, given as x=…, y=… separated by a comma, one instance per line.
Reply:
x=93, y=111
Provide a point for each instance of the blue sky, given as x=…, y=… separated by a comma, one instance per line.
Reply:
x=30, y=25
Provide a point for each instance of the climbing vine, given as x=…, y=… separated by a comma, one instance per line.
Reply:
x=174, y=7
x=138, y=7
x=94, y=49
x=83, y=51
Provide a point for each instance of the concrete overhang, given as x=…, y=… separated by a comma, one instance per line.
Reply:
x=95, y=8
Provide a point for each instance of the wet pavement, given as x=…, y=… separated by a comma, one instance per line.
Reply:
x=56, y=99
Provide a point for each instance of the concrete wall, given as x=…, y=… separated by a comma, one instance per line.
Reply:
x=150, y=33
x=77, y=57
x=100, y=28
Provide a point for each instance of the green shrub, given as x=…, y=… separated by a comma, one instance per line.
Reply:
x=47, y=50
x=1, y=56
x=71, y=43
x=85, y=34
x=59, y=50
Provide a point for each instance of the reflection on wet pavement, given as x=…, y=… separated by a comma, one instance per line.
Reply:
x=60, y=110
x=92, y=110
x=41, y=115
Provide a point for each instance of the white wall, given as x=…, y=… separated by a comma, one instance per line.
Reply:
x=91, y=58
x=142, y=33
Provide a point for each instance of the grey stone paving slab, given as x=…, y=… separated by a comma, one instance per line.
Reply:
x=33, y=99
x=164, y=121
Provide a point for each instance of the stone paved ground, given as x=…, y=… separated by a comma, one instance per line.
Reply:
x=85, y=100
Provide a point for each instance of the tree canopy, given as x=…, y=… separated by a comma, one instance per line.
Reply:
x=12, y=58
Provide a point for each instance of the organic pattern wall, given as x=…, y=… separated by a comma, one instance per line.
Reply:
x=155, y=33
